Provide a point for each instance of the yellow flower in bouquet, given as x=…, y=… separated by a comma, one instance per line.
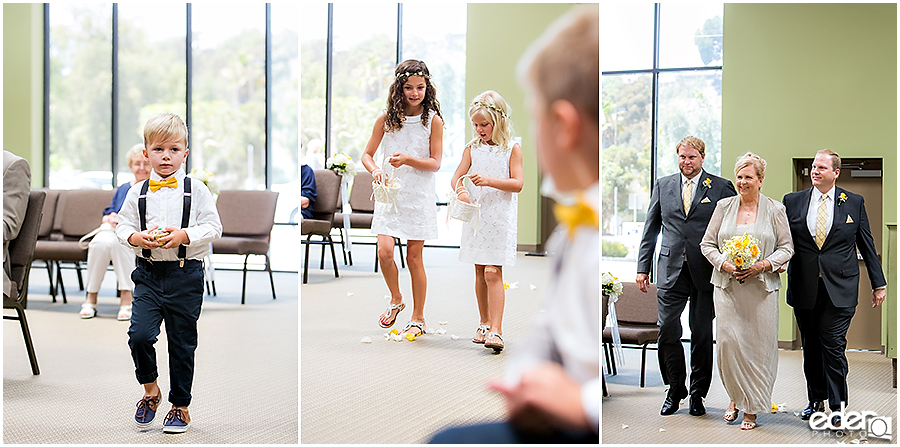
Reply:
x=742, y=251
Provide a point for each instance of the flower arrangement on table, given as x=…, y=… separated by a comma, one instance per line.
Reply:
x=742, y=251
x=342, y=164
x=208, y=178
x=611, y=286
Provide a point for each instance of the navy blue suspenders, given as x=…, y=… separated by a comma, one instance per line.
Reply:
x=185, y=215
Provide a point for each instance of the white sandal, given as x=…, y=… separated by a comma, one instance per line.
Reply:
x=497, y=347
x=482, y=330
x=124, y=313
x=88, y=310
x=420, y=325
x=387, y=314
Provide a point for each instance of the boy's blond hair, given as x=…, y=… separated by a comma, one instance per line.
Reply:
x=564, y=63
x=493, y=108
x=164, y=127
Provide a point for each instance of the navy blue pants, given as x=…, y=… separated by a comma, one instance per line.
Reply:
x=506, y=433
x=823, y=333
x=163, y=291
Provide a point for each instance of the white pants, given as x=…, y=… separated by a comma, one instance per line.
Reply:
x=105, y=247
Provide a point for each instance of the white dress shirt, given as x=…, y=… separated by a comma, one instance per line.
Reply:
x=568, y=331
x=164, y=209
x=813, y=214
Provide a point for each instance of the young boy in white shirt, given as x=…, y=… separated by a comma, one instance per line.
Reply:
x=169, y=222
x=552, y=388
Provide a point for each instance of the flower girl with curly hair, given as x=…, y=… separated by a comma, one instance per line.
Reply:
x=494, y=163
x=411, y=131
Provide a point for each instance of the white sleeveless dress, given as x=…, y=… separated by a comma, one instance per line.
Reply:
x=415, y=214
x=494, y=242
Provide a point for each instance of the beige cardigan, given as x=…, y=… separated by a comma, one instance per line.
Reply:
x=770, y=217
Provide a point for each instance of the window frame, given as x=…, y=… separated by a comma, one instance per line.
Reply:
x=655, y=71
x=188, y=95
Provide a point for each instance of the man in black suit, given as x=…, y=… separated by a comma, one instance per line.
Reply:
x=828, y=224
x=681, y=206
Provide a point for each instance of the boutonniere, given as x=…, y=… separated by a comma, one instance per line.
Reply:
x=707, y=183
x=842, y=198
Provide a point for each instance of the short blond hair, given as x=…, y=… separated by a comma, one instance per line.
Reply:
x=835, y=158
x=751, y=159
x=694, y=142
x=564, y=63
x=164, y=127
x=134, y=154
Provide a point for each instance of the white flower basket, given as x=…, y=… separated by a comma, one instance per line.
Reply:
x=387, y=192
x=460, y=210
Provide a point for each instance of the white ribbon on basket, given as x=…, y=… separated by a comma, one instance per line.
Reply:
x=463, y=211
x=617, y=340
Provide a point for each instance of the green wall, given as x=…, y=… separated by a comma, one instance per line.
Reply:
x=496, y=37
x=23, y=53
x=802, y=77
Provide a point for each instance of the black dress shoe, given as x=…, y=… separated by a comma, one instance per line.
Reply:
x=836, y=422
x=673, y=400
x=697, y=408
x=813, y=407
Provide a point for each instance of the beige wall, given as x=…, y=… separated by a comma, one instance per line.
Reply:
x=497, y=34
x=802, y=77
x=23, y=53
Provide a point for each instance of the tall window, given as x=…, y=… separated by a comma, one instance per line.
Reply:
x=662, y=81
x=113, y=66
x=365, y=46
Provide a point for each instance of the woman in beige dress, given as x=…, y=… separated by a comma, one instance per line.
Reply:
x=747, y=313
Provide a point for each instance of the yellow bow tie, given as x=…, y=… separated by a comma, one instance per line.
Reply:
x=577, y=215
x=170, y=182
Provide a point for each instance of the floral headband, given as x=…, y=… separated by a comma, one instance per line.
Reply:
x=488, y=106
x=413, y=73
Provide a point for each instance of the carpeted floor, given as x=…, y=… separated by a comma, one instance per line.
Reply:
x=245, y=380
x=631, y=414
x=403, y=392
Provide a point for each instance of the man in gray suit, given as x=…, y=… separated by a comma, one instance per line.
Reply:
x=681, y=206
x=16, y=186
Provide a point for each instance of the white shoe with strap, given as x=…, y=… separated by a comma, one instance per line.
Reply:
x=88, y=310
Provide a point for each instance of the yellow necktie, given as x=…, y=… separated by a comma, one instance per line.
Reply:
x=170, y=182
x=687, y=195
x=577, y=215
x=820, y=221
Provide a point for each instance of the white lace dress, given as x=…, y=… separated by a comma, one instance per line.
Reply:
x=493, y=241
x=415, y=214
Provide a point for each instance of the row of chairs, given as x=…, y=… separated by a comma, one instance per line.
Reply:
x=328, y=214
x=247, y=219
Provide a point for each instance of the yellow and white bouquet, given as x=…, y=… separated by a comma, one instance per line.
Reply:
x=342, y=164
x=611, y=285
x=742, y=251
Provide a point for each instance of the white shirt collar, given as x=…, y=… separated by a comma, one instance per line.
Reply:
x=816, y=193
x=695, y=180
x=179, y=174
x=592, y=196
